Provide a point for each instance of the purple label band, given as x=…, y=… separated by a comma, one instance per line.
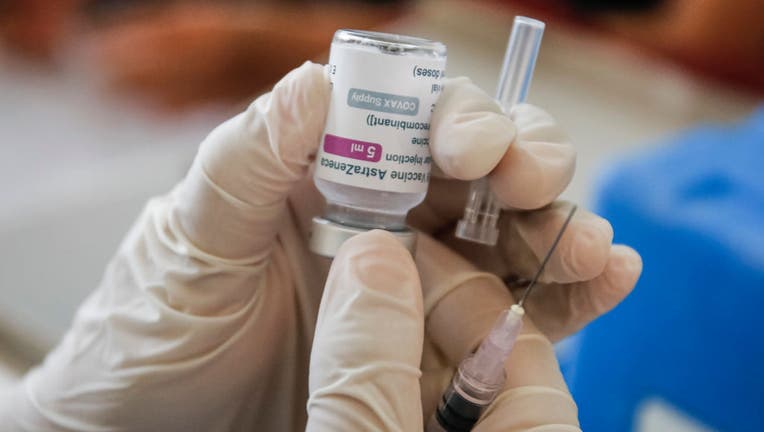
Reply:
x=353, y=149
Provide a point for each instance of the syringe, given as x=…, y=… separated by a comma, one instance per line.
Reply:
x=480, y=376
x=482, y=210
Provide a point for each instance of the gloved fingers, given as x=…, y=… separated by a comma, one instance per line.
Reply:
x=535, y=408
x=433, y=382
x=528, y=157
x=232, y=201
x=364, y=365
x=535, y=394
x=469, y=133
x=538, y=165
x=442, y=207
x=460, y=302
x=454, y=327
x=561, y=310
x=585, y=277
x=526, y=236
x=461, y=306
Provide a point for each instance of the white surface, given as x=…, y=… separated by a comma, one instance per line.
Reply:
x=657, y=415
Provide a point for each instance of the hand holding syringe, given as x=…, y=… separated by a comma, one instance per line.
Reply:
x=481, y=213
x=480, y=377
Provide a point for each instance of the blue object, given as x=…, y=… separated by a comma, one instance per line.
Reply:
x=692, y=332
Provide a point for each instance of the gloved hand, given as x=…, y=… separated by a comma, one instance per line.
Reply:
x=205, y=318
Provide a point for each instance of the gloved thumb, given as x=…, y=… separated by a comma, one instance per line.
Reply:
x=364, y=364
x=233, y=199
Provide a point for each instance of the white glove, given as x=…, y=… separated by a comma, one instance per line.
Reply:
x=205, y=318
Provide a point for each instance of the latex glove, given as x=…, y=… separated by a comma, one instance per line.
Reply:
x=585, y=278
x=204, y=319
x=371, y=337
x=364, y=367
x=529, y=161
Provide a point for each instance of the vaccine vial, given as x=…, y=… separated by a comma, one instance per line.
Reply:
x=373, y=163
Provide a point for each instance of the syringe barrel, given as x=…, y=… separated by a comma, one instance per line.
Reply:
x=487, y=364
x=479, y=378
x=461, y=405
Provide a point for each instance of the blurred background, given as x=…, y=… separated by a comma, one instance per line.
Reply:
x=103, y=103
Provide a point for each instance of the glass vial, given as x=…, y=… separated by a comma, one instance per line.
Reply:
x=373, y=164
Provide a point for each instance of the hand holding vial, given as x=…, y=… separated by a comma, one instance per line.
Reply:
x=208, y=316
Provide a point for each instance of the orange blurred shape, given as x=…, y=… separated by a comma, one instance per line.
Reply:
x=721, y=39
x=35, y=27
x=188, y=54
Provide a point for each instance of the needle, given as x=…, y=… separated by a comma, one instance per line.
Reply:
x=548, y=255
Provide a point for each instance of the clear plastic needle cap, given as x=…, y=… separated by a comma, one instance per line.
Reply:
x=481, y=213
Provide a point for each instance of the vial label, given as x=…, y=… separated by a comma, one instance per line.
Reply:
x=378, y=125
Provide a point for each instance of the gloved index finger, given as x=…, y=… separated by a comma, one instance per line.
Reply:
x=463, y=306
x=538, y=166
x=364, y=366
x=461, y=302
x=527, y=157
x=469, y=132
x=582, y=253
x=233, y=199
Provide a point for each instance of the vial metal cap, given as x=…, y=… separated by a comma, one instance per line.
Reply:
x=326, y=237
